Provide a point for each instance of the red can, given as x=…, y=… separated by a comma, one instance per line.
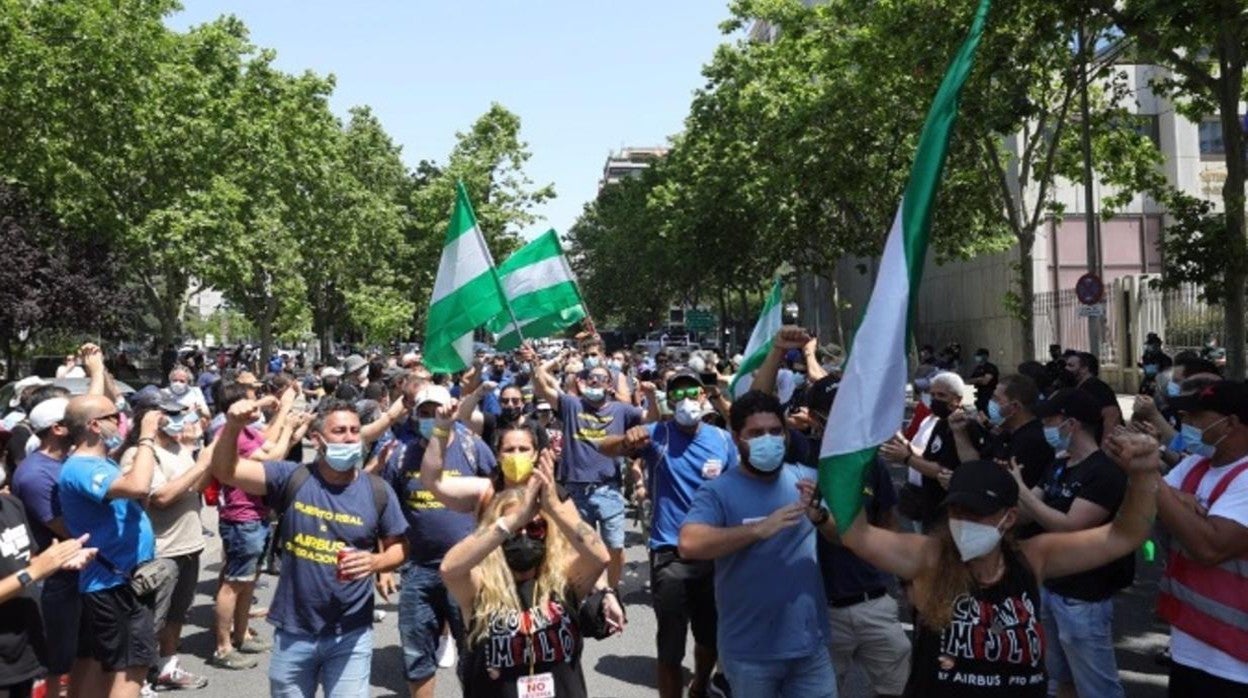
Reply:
x=342, y=555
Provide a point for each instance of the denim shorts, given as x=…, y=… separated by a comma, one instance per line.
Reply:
x=242, y=545
x=1079, y=648
x=424, y=605
x=601, y=506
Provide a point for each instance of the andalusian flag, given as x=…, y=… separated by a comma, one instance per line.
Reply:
x=542, y=292
x=466, y=294
x=870, y=400
x=756, y=350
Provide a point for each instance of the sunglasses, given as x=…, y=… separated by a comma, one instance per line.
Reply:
x=114, y=416
x=534, y=530
x=511, y=401
x=597, y=379
x=684, y=393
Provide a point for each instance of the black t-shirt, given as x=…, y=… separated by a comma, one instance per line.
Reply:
x=993, y=647
x=983, y=393
x=22, y=650
x=943, y=449
x=542, y=640
x=1100, y=391
x=1098, y=480
x=1026, y=445
x=844, y=573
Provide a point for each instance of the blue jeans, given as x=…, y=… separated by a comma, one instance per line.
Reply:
x=339, y=664
x=805, y=677
x=601, y=506
x=1080, y=645
x=424, y=605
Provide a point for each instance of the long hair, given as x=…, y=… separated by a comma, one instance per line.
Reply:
x=497, y=594
x=936, y=590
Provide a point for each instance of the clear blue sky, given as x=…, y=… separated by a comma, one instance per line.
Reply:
x=585, y=76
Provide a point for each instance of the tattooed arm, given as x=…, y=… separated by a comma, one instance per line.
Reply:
x=591, y=556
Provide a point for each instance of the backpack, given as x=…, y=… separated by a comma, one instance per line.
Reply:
x=300, y=477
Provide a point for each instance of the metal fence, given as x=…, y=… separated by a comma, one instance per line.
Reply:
x=1134, y=307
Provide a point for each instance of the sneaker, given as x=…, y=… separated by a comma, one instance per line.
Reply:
x=719, y=687
x=232, y=660
x=378, y=615
x=179, y=679
x=147, y=691
x=447, y=654
x=254, y=644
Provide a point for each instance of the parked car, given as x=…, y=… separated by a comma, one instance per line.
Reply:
x=75, y=386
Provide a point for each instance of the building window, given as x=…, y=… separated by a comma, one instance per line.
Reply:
x=1211, y=145
x=1149, y=125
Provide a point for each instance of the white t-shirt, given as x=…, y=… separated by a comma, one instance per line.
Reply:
x=1232, y=505
x=921, y=436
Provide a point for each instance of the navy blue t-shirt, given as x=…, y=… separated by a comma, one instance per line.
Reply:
x=678, y=465
x=34, y=482
x=583, y=427
x=322, y=519
x=432, y=528
x=844, y=573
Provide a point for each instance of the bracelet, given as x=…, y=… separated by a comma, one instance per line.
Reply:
x=146, y=441
x=502, y=526
x=440, y=433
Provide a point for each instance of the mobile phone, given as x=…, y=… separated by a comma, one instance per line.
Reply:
x=709, y=378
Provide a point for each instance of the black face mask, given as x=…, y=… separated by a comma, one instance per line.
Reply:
x=524, y=553
x=510, y=414
x=941, y=409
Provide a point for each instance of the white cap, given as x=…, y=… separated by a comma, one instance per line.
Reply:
x=47, y=413
x=330, y=372
x=434, y=393
x=23, y=384
x=409, y=356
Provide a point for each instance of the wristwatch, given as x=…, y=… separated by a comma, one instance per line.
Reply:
x=24, y=578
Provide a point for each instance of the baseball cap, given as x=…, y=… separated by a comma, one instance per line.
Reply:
x=330, y=372
x=436, y=394
x=541, y=405
x=1224, y=397
x=47, y=413
x=27, y=382
x=153, y=398
x=820, y=394
x=353, y=363
x=981, y=487
x=1072, y=403
x=685, y=373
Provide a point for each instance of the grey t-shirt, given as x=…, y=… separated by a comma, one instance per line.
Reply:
x=178, y=528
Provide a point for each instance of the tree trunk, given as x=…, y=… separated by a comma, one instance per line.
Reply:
x=1027, y=293
x=1232, y=83
x=266, y=331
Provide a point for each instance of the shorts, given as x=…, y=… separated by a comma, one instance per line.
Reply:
x=242, y=546
x=601, y=506
x=61, y=607
x=118, y=630
x=683, y=595
x=173, y=606
x=424, y=606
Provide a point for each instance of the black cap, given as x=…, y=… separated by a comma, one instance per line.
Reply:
x=821, y=394
x=684, y=373
x=153, y=398
x=981, y=487
x=1223, y=397
x=1070, y=402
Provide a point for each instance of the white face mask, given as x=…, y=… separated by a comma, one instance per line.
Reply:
x=688, y=412
x=179, y=388
x=974, y=539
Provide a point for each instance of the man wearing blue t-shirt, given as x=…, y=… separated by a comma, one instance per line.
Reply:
x=680, y=455
x=118, y=641
x=333, y=516
x=756, y=522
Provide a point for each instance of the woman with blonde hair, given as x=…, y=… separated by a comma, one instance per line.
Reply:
x=522, y=581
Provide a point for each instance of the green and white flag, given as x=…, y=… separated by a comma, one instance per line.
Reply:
x=466, y=294
x=870, y=400
x=756, y=350
x=542, y=291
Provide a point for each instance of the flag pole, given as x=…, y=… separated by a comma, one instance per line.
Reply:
x=502, y=292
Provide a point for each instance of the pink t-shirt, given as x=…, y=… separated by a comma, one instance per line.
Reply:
x=236, y=505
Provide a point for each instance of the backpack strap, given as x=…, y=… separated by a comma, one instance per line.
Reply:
x=296, y=481
x=380, y=496
x=1225, y=482
x=467, y=444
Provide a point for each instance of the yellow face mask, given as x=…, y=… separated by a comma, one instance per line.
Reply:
x=517, y=467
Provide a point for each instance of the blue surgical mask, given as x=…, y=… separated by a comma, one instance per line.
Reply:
x=174, y=425
x=1193, y=442
x=994, y=413
x=426, y=426
x=595, y=394
x=1173, y=389
x=1150, y=369
x=766, y=452
x=1056, y=439
x=112, y=442
x=342, y=457
x=592, y=362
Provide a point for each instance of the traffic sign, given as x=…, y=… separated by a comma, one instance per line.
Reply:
x=1096, y=310
x=1089, y=289
x=699, y=320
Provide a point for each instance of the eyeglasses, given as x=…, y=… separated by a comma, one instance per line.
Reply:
x=114, y=416
x=534, y=530
x=511, y=401
x=684, y=393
